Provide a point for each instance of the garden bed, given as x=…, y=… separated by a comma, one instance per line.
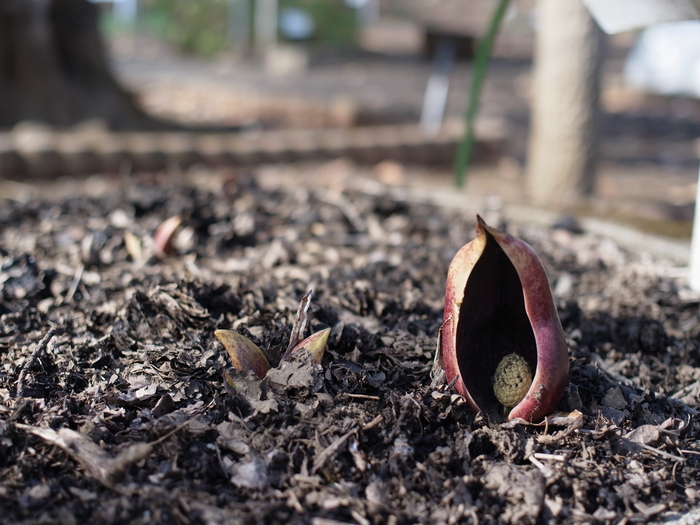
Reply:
x=115, y=410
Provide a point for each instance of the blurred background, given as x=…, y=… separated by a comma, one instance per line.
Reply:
x=569, y=119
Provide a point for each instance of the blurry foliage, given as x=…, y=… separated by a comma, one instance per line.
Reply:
x=200, y=27
x=197, y=28
x=336, y=24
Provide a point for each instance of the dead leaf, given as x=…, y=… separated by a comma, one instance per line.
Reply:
x=164, y=235
x=252, y=474
x=522, y=487
x=646, y=434
x=300, y=372
x=614, y=399
x=98, y=463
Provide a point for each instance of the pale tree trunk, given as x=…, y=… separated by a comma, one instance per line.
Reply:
x=566, y=86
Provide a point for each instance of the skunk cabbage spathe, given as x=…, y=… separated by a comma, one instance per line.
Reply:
x=501, y=343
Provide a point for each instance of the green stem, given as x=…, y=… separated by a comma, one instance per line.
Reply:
x=481, y=61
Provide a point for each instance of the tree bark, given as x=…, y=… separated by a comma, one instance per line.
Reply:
x=53, y=68
x=566, y=86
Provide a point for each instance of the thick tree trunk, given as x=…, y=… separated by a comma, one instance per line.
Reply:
x=562, y=145
x=53, y=68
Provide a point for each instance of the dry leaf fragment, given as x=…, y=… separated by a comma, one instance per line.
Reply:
x=330, y=451
x=252, y=474
x=93, y=458
x=133, y=245
x=164, y=235
x=646, y=434
x=652, y=434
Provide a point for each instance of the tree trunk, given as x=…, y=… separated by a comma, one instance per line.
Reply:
x=566, y=86
x=53, y=68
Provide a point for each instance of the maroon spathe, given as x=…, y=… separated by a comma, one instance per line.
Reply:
x=521, y=298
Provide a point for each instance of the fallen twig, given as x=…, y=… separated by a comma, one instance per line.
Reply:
x=40, y=349
x=76, y=282
x=330, y=450
x=364, y=396
x=373, y=423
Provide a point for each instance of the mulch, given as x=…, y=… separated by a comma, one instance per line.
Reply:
x=115, y=408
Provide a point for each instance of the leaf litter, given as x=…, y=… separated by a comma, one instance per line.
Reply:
x=115, y=408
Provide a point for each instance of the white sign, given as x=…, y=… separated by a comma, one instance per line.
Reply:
x=614, y=16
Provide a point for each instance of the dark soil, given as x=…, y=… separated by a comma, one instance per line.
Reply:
x=114, y=408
